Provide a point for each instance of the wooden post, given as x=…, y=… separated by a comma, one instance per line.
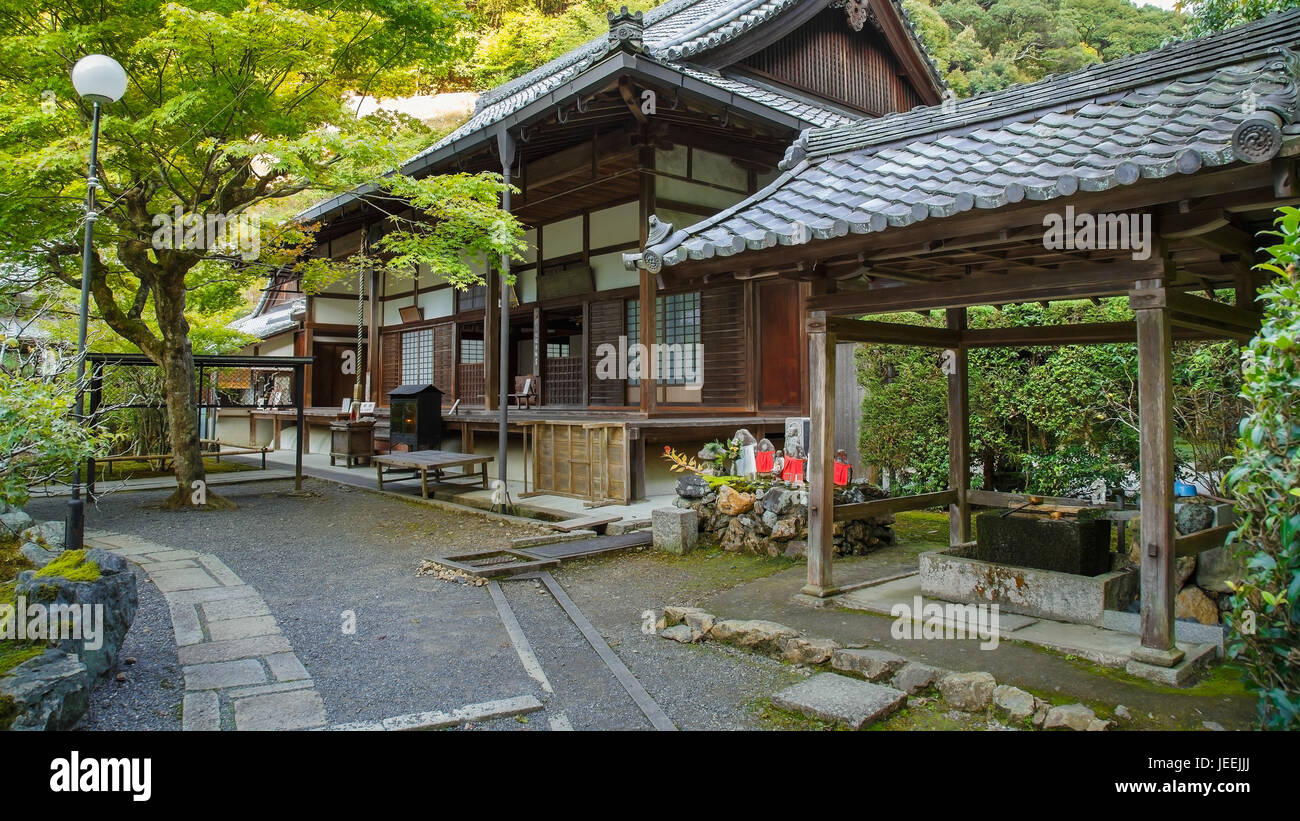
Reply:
x=491, y=342
x=821, y=457
x=648, y=291
x=954, y=362
x=1156, y=453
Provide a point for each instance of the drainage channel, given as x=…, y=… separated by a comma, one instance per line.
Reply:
x=653, y=713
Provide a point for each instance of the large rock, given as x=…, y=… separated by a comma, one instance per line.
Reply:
x=1184, y=567
x=799, y=650
x=49, y=692
x=870, y=664
x=1189, y=518
x=45, y=534
x=970, y=692
x=692, y=486
x=1215, y=568
x=1192, y=603
x=732, y=502
x=39, y=556
x=915, y=678
x=14, y=521
x=1069, y=717
x=752, y=634
x=114, y=590
x=1013, y=703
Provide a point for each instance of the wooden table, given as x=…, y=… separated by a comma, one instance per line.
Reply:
x=424, y=461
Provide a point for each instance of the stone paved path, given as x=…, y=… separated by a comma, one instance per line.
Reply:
x=240, y=671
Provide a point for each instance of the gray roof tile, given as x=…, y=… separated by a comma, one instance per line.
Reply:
x=1175, y=110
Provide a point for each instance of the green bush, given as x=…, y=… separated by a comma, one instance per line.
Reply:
x=1265, y=482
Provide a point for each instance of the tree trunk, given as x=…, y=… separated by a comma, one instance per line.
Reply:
x=182, y=414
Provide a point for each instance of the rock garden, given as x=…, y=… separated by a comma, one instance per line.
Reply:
x=748, y=497
x=62, y=622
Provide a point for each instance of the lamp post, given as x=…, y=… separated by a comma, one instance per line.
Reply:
x=99, y=80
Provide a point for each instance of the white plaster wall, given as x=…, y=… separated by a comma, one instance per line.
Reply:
x=279, y=345
x=717, y=169
x=610, y=272
x=612, y=226
x=337, y=311
x=562, y=238
x=695, y=193
x=438, y=303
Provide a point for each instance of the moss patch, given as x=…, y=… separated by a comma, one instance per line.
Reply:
x=11, y=561
x=771, y=717
x=71, y=565
x=929, y=527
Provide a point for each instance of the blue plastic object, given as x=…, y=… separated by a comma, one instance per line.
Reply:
x=1184, y=489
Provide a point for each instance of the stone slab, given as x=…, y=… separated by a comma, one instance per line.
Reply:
x=246, y=628
x=1183, y=674
x=171, y=581
x=236, y=608
x=201, y=712
x=485, y=711
x=1191, y=632
x=214, y=651
x=220, y=571
x=295, y=710
x=222, y=674
x=848, y=701
x=185, y=624
x=207, y=594
x=287, y=667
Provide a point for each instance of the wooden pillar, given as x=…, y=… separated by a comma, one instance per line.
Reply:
x=539, y=345
x=821, y=457
x=491, y=341
x=648, y=292
x=955, y=367
x=1156, y=453
x=372, y=337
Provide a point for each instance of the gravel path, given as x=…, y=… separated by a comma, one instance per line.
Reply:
x=420, y=643
x=150, y=698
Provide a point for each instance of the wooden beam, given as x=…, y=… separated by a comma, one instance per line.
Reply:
x=1083, y=279
x=894, y=504
x=890, y=333
x=1202, y=541
x=995, y=498
x=821, y=463
x=1156, y=456
x=955, y=363
x=648, y=291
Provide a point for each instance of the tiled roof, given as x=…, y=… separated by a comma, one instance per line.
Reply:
x=672, y=33
x=1187, y=106
x=276, y=320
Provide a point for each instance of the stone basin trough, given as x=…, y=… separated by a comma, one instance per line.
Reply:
x=1036, y=565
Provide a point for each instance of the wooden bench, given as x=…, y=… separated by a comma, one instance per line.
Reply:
x=424, y=461
x=527, y=392
x=162, y=460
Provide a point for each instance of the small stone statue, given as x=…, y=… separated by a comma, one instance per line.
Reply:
x=744, y=437
x=765, y=445
x=792, y=449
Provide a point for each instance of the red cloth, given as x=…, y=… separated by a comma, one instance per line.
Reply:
x=763, y=461
x=841, y=474
x=793, y=470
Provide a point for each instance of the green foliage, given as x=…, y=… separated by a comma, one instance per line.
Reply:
x=1265, y=482
x=514, y=39
x=985, y=45
x=1048, y=420
x=1209, y=16
x=39, y=440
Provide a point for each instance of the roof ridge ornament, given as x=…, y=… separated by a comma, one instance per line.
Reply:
x=658, y=230
x=1271, y=102
x=626, y=30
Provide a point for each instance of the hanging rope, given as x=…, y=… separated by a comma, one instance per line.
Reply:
x=361, y=319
